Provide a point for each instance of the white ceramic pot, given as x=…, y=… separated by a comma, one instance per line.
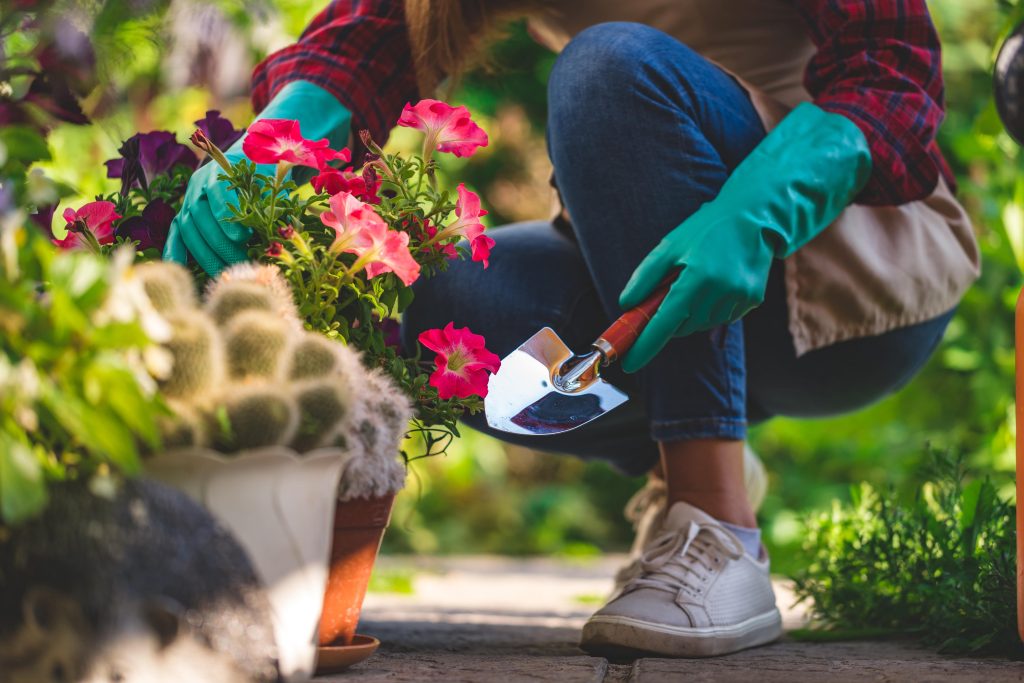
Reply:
x=280, y=507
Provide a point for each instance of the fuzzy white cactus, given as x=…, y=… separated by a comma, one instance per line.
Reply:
x=246, y=375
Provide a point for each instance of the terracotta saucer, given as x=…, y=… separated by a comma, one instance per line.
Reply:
x=334, y=658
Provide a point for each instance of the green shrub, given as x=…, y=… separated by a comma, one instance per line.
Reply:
x=941, y=567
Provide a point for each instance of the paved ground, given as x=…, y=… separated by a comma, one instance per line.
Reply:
x=470, y=620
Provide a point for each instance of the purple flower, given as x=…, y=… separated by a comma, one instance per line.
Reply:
x=68, y=56
x=219, y=130
x=392, y=333
x=43, y=217
x=52, y=94
x=144, y=156
x=150, y=228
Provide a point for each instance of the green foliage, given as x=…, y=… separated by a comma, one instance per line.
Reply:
x=74, y=395
x=941, y=566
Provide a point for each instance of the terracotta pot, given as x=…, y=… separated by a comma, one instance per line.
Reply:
x=358, y=530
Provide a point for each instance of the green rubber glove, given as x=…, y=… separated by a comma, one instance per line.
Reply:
x=791, y=187
x=203, y=225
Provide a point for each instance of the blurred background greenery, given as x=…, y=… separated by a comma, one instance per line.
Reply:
x=170, y=63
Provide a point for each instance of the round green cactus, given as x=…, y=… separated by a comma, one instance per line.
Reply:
x=185, y=429
x=255, y=345
x=168, y=286
x=313, y=356
x=248, y=286
x=251, y=417
x=197, y=356
x=231, y=299
x=323, y=406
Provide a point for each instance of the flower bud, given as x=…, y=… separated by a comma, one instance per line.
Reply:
x=204, y=143
x=368, y=142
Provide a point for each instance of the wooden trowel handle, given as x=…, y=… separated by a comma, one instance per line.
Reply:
x=619, y=337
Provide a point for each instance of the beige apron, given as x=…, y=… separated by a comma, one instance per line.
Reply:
x=873, y=270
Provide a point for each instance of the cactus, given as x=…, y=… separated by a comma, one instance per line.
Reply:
x=247, y=286
x=246, y=375
x=323, y=405
x=255, y=343
x=168, y=286
x=224, y=303
x=387, y=411
x=313, y=356
x=197, y=356
x=184, y=429
x=252, y=416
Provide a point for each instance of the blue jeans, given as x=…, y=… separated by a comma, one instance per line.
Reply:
x=642, y=131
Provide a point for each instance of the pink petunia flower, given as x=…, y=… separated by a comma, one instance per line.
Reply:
x=468, y=225
x=463, y=363
x=97, y=217
x=361, y=231
x=448, y=128
x=271, y=141
x=333, y=181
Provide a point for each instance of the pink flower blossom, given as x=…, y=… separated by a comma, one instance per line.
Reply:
x=97, y=217
x=468, y=225
x=394, y=257
x=360, y=231
x=445, y=248
x=462, y=362
x=270, y=141
x=333, y=181
x=448, y=128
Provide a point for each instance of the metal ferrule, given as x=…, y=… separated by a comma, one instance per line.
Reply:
x=580, y=374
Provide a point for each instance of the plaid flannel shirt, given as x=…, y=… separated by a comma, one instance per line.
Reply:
x=878, y=62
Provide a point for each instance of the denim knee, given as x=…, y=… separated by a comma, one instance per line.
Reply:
x=604, y=59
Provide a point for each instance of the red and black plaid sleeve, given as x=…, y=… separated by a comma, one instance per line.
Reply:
x=358, y=50
x=879, y=64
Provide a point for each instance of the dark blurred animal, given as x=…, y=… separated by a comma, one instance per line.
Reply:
x=140, y=587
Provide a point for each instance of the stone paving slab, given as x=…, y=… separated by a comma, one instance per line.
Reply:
x=488, y=619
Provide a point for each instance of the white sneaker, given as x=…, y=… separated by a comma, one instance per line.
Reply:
x=647, y=508
x=698, y=594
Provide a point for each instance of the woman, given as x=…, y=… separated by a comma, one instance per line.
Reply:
x=775, y=159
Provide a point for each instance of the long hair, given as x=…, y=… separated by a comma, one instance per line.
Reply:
x=447, y=36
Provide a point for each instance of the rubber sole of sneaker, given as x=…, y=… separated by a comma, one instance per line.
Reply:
x=624, y=637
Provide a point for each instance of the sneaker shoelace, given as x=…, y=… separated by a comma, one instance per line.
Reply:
x=650, y=495
x=683, y=559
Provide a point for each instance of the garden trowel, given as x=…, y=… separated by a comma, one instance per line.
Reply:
x=544, y=388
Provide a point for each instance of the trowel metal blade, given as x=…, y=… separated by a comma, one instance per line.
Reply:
x=522, y=397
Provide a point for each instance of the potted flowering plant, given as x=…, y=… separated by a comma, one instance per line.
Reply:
x=349, y=252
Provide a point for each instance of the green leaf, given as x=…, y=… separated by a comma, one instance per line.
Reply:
x=24, y=144
x=95, y=428
x=969, y=503
x=22, y=487
x=119, y=390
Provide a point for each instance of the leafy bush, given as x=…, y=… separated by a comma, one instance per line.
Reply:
x=75, y=397
x=941, y=567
